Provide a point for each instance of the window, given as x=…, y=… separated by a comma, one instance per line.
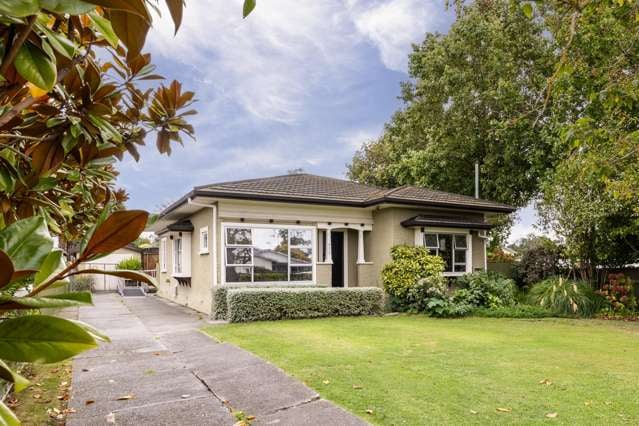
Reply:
x=163, y=254
x=177, y=255
x=204, y=240
x=452, y=248
x=268, y=254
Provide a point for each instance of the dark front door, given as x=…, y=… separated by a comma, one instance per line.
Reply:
x=337, y=250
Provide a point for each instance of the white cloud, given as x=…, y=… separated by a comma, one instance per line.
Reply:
x=354, y=138
x=393, y=26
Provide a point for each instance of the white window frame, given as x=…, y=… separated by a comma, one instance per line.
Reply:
x=163, y=255
x=178, y=266
x=421, y=241
x=252, y=283
x=204, y=236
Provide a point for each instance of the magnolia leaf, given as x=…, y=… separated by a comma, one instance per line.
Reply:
x=27, y=242
x=249, y=5
x=36, y=67
x=6, y=269
x=19, y=8
x=50, y=302
x=129, y=275
x=131, y=29
x=118, y=230
x=97, y=334
x=42, y=339
x=7, y=417
x=7, y=374
x=59, y=42
x=137, y=7
x=72, y=7
x=103, y=25
x=175, y=8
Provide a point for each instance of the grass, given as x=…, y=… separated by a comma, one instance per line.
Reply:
x=48, y=392
x=417, y=370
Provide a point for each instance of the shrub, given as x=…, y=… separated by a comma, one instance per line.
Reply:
x=252, y=304
x=130, y=264
x=617, y=294
x=565, y=297
x=81, y=283
x=485, y=289
x=517, y=311
x=408, y=266
x=540, y=259
x=219, y=296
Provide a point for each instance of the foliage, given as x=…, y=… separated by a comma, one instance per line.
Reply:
x=408, y=265
x=541, y=258
x=565, y=297
x=27, y=259
x=485, y=289
x=81, y=283
x=290, y=303
x=517, y=311
x=618, y=294
x=132, y=264
x=220, y=308
x=498, y=255
x=471, y=98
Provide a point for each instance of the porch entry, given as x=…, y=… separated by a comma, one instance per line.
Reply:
x=337, y=272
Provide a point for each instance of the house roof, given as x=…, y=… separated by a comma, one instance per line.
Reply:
x=313, y=189
x=447, y=222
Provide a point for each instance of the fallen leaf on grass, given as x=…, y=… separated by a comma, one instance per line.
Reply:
x=473, y=412
x=37, y=395
x=125, y=397
x=326, y=382
x=608, y=403
x=89, y=402
x=504, y=410
x=551, y=415
x=369, y=411
x=358, y=387
x=545, y=382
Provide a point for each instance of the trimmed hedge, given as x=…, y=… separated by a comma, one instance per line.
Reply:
x=252, y=304
x=219, y=295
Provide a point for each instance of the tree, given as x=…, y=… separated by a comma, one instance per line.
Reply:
x=473, y=97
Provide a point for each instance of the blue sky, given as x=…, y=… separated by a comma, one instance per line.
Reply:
x=296, y=85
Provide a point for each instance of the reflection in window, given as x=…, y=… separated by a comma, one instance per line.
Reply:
x=264, y=254
x=452, y=248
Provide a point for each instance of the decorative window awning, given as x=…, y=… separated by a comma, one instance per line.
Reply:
x=182, y=226
x=446, y=222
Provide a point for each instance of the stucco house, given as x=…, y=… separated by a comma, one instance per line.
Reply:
x=303, y=229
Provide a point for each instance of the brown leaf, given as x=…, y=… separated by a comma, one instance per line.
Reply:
x=504, y=410
x=131, y=29
x=137, y=7
x=175, y=7
x=369, y=411
x=47, y=156
x=89, y=402
x=6, y=269
x=545, y=382
x=551, y=415
x=118, y=230
x=125, y=397
x=358, y=387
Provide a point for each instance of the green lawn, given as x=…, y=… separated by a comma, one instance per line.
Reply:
x=418, y=370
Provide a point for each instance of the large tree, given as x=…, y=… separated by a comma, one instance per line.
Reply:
x=473, y=97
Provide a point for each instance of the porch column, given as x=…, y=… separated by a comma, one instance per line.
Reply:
x=329, y=251
x=360, y=246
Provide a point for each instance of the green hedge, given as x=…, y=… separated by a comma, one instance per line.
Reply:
x=219, y=295
x=254, y=304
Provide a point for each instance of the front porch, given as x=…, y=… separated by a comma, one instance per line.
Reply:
x=342, y=250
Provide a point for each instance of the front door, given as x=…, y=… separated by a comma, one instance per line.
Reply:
x=337, y=250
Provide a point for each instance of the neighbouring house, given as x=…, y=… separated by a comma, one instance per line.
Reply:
x=109, y=262
x=302, y=229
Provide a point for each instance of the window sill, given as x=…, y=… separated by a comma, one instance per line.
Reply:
x=203, y=252
x=364, y=263
x=324, y=263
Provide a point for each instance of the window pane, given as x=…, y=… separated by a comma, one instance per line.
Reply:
x=271, y=239
x=238, y=236
x=460, y=256
x=445, y=243
x=238, y=274
x=430, y=240
x=301, y=273
x=264, y=274
x=301, y=256
x=432, y=252
x=460, y=241
x=238, y=256
x=301, y=237
x=460, y=268
x=270, y=254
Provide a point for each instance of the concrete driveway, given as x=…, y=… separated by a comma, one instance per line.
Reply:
x=160, y=370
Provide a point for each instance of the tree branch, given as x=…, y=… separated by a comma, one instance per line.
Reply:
x=17, y=44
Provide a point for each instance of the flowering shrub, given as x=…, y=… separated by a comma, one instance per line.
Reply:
x=618, y=294
x=565, y=297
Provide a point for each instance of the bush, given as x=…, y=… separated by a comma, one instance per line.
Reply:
x=130, y=264
x=404, y=276
x=517, y=311
x=219, y=296
x=81, y=283
x=252, y=304
x=565, y=297
x=485, y=289
x=618, y=295
x=540, y=259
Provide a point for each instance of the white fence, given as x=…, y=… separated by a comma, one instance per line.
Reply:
x=103, y=282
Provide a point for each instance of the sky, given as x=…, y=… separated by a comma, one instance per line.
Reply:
x=295, y=85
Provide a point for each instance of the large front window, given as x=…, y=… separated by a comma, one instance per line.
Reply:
x=452, y=248
x=268, y=254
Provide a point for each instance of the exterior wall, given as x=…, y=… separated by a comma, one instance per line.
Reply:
x=351, y=259
x=479, y=253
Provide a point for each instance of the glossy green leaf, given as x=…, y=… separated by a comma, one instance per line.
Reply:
x=6, y=269
x=72, y=7
x=249, y=5
x=48, y=302
x=129, y=275
x=42, y=339
x=59, y=42
x=27, y=242
x=7, y=418
x=51, y=264
x=92, y=331
x=527, y=8
x=103, y=25
x=36, y=67
x=19, y=8
x=7, y=374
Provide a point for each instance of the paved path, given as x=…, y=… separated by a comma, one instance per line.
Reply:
x=169, y=373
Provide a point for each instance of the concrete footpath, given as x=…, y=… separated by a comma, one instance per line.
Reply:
x=160, y=370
